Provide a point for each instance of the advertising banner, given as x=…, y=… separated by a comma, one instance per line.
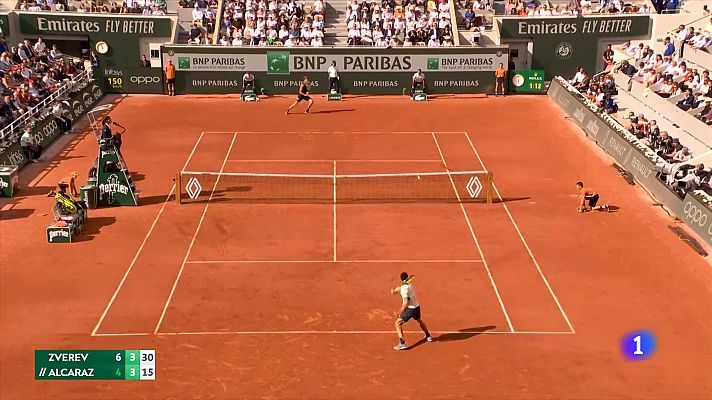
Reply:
x=214, y=70
x=562, y=44
x=285, y=62
x=93, y=24
x=133, y=80
x=47, y=130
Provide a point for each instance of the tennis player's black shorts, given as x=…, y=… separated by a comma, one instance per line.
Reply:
x=500, y=79
x=592, y=200
x=171, y=81
x=411, y=313
x=301, y=97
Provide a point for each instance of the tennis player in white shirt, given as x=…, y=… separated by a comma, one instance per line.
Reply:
x=333, y=78
x=410, y=308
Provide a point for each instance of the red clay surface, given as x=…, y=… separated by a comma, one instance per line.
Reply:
x=258, y=308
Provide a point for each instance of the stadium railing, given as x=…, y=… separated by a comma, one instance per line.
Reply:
x=218, y=21
x=454, y=16
x=29, y=116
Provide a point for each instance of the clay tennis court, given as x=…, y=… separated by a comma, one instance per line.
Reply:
x=279, y=299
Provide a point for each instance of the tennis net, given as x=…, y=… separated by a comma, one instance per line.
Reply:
x=461, y=186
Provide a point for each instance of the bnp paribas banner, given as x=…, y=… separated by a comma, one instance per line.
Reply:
x=562, y=44
x=46, y=130
x=378, y=71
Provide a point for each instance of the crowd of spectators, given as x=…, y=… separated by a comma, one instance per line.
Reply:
x=29, y=72
x=698, y=38
x=536, y=8
x=690, y=89
x=387, y=24
x=145, y=7
x=262, y=23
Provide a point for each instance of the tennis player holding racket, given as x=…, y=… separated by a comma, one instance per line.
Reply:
x=303, y=95
x=409, y=309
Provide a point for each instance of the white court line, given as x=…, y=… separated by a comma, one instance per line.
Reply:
x=145, y=239
x=314, y=332
x=337, y=132
x=526, y=245
x=195, y=234
x=334, y=207
x=329, y=176
x=474, y=237
x=330, y=261
x=329, y=161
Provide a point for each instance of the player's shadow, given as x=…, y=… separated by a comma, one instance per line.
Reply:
x=462, y=334
x=332, y=111
x=613, y=208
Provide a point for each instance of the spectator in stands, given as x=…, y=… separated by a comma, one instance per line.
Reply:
x=689, y=101
x=628, y=48
x=64, y=123
x=627, y=68
x=476, y=34
x=469, y=20
x=682, y=155
x=608, y=55
x=198, y=14
x=609, y=106
x=39, y=46
x=30, y=148
x=584, y=82
x=145, y=63
x=609, y=85
x=194, y=33
x=669, y=47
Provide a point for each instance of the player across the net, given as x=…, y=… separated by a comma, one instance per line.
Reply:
x=460, y=186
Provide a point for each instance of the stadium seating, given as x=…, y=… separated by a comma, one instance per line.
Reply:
x=32, y=76
x=671, y=90
x=277, y=22
x=152, y=7
x=394, y=23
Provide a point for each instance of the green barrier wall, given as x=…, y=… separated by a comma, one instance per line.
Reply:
x=690, y=209
x=47, y=130
x=279, y=70
x=562, y=44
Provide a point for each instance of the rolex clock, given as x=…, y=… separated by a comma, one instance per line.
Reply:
x=101, y=47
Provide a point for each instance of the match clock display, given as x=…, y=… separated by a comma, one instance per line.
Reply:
x=527, y=81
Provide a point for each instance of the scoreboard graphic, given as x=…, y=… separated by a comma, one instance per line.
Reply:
x=95, y=365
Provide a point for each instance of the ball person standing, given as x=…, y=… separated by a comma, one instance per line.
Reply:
x=410, y=308
x=500, y=74
x=303, y=95
x=333, y=78
x=170, y=72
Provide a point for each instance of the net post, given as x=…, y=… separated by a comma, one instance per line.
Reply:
x=178, y=186
x=490, y=187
